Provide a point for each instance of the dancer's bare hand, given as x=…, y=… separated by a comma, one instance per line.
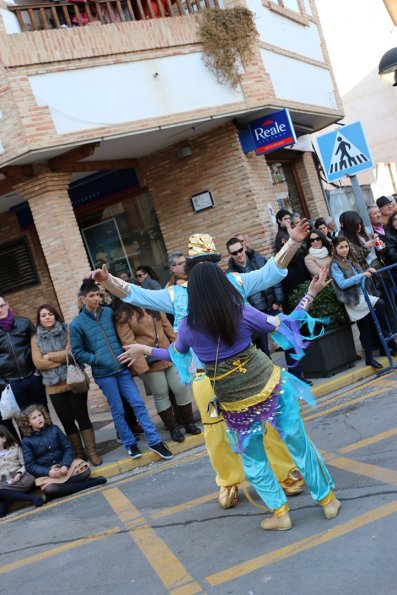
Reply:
x=132, y=352
x=99, y=274
x=299, y=232
x=319, y=282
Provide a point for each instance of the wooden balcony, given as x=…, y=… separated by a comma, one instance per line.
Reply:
x=40, y=16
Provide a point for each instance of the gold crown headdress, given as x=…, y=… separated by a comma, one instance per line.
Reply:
x=201, y=244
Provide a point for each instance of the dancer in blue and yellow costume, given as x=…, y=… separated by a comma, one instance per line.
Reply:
x=248, y=387
x=174, y=300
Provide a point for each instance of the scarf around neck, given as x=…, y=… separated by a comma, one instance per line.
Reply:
x=7, y=322
x=319, y=252
x=54, y=339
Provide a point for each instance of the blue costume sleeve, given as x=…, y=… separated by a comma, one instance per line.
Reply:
x=339, y=278
x=267, y=276
x=157, y=299
x=287, y=334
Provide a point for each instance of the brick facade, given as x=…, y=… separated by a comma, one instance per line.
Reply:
x=240, y=185
x=26, y=301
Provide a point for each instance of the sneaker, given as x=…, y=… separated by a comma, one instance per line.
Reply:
x=162, y=450
x=134, y=452
x=118, y=439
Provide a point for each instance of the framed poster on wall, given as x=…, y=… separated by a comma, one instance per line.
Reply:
x=105, y=246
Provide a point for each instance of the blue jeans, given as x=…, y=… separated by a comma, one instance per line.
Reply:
x=119, y=384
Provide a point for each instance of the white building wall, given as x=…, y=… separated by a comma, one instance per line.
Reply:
x=294, y=80
x=286, y=33
x=93, y=97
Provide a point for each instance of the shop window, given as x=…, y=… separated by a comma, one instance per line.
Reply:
x=17, y=269
x=124, y=235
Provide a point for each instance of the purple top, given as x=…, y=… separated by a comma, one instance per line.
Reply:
x=205, y=346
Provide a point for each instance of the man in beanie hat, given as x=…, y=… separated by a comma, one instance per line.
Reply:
x=386, y=206
x=174, y=300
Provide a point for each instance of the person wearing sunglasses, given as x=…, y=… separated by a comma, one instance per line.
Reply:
x=147, y=278
x=319, y=253
x=244, y=260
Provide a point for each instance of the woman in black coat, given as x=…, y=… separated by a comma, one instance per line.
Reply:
x=390, y=240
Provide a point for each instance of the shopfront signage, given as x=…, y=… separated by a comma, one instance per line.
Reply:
x=344, y=152
x=272, y=132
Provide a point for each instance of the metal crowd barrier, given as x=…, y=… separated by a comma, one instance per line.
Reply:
x=384, y=285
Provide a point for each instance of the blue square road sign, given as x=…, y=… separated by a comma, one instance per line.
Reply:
x=344, y=152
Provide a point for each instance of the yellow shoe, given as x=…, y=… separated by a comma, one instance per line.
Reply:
x=331, y=510
x=294, y=483
x=277, y=523
x=228, y=496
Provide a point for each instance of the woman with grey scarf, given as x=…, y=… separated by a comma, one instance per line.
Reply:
x=49, y=346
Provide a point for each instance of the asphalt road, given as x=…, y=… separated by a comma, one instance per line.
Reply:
x=160, y=530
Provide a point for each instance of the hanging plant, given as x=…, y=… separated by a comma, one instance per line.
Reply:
x=227, y=37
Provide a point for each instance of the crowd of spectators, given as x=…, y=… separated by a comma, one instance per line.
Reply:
x=33, y=358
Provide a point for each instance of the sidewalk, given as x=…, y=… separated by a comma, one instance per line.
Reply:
x=116, y=461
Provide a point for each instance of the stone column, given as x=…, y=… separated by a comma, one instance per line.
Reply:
x=59, y=234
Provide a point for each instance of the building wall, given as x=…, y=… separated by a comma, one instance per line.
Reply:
x=26, y=301
x=240, y=185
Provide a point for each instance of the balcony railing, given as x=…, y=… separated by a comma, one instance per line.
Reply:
x=39, y=16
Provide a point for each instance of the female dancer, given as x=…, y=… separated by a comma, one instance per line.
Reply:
x=15, y=481
x=249, y=388
x=48, y=456
x=49, y=346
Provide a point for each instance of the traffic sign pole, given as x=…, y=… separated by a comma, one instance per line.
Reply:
x=362, y=209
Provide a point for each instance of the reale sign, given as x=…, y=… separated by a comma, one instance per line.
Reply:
x=272, y=132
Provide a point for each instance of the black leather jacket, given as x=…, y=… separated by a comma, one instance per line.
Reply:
x=15, y=352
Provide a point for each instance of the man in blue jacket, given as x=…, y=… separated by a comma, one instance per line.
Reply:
x=95, y=342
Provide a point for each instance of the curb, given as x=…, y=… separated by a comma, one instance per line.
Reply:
x=126, y=464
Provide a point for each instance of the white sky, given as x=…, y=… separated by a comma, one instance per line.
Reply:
x=357, y=34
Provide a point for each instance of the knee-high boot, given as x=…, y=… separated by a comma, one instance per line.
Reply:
x=171, y=424
x=90, y=446
x=186, y=413
x=77, y=444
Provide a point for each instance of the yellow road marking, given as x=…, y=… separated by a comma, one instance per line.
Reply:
x=345, y=404
x=367, y=441
x=300, y=546
x=166, y=565
x=147, y=473
x=374, y=471
x=60, y=549
x=184, y=506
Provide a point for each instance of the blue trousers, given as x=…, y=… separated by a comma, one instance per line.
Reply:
x=123, y=384
x=308, y=460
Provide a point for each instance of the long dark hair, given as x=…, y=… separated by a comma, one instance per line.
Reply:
x=389, y=226
x=123, y=311
x=10, y=438
x=349, y=221
x=54, y=311
x=215, y=305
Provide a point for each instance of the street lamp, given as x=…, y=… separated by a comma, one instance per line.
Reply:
x=388, y=67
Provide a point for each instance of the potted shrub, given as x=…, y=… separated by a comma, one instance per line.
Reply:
x=334, y=351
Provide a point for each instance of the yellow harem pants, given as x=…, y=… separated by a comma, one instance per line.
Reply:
x=227, y=465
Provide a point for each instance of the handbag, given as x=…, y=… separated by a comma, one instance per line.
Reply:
x=76, y=378
x=9, y=407
x=151, y=359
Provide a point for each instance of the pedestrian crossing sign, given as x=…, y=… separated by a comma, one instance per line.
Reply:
x=344, y=152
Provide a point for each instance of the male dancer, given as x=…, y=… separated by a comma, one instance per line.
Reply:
x=174, y=300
